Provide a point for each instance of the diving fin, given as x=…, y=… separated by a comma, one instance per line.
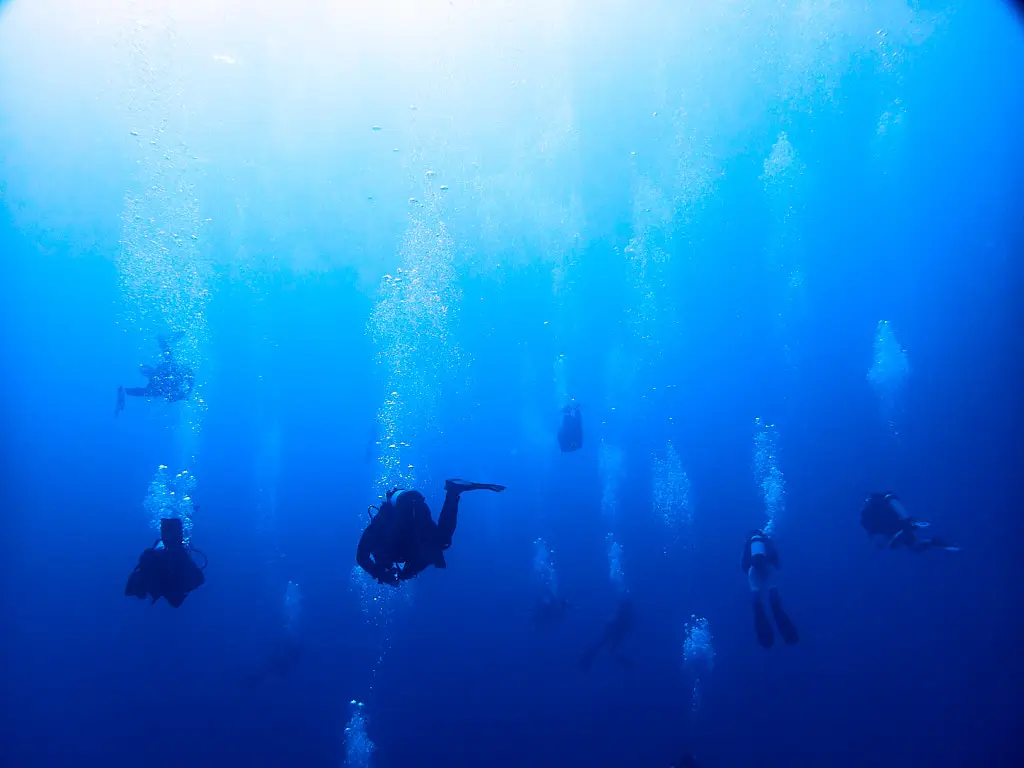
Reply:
x=785, y=624
x=762, y=626
x=459, y=486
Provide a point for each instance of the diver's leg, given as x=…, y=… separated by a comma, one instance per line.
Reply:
x=137, y=391
x=120, y=401
x=448, y=518
x=762, y=627
x=785, y=624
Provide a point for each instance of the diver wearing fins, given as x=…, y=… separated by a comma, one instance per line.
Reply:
x=884, y=515
x=570, y=433
x=168, y=380
x=403, y=533
x=760, y=556
x=166, y=569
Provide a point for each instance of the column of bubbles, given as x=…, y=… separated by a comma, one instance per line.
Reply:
x=163, y=275
x=671, y=494
x=888, y=375
x=889, y=129
x=649, y=312
x=358, y=747
x=412, y=325
x=782, y=172
x=412, y=328
x=767, y=473
x=170, y=496
x=611, y=462
x=698, y=656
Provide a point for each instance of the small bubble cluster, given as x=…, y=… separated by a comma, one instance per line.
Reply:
x=698, y=648
x=544, y=567
x=378, y=602
x=615, y=572
x=358, y=747
x=698, y=656
x=171, y=496
x=779, y=162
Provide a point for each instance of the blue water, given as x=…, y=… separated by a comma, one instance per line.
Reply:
x=774, y=251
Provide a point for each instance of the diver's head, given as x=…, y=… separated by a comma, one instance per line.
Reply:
x=406, y=500
x=172, y=532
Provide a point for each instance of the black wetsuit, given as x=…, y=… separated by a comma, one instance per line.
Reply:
x=570, y=433
x=403, y=533
x=880, y=517
x=168, y=380
x=614, y=634
x=165, y=570
x=760, y=556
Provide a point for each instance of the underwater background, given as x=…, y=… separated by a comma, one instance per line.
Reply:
x=772, y=249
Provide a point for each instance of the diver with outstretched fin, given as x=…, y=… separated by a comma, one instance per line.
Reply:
x=402, y=539
x=615, y=633
x=570, y=432
x=167, y=569
x=884, y=515
x=169, y=380
x=760, y=556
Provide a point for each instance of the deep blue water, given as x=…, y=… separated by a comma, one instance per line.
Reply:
x=727, y=294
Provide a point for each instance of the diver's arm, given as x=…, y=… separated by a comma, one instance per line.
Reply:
x=364, y=555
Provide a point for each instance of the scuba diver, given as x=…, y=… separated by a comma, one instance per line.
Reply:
x=403, y=533
x=168, y=380
x=884, y=515
x=760, y=555
x=167, y=569
x=570, y=433
x=615, y=632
